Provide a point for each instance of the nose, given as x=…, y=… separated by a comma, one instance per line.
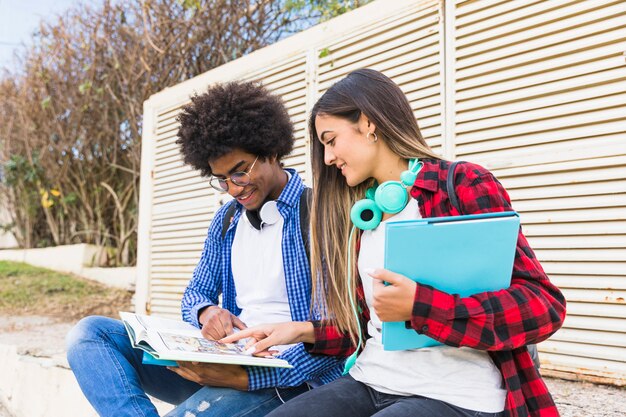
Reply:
x=234, y=190
x=329, y=156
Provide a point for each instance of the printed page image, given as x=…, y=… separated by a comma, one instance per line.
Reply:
x=186, y=343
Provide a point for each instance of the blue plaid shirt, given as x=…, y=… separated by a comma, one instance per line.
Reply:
x=213, y=276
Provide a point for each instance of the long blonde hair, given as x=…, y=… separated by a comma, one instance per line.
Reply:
x=376, y=96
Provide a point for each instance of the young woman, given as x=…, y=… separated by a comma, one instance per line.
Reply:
x=363, y=133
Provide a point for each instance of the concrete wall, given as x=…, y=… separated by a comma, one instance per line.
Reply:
x=75, y=259
x=43, y=387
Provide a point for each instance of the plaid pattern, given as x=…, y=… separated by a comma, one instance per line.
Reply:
x=213, y=276
x=501, y=322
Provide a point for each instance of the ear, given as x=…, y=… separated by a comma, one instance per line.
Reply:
x=366, y=125
x=273, y=159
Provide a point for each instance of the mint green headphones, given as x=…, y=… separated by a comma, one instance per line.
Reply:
x=388, y=197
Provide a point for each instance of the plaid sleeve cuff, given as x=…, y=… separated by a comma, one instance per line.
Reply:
x=329, y=341
x=194, y=313
x=431, y=310
x=262, y=377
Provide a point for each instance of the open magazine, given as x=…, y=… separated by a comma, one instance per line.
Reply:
x=164, y=340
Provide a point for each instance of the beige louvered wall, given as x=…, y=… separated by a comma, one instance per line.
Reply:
x=406, y=48
x=533, y=90
x=541, y=100
x=183, y=202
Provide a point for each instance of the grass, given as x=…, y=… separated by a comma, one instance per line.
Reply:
x=29, y=290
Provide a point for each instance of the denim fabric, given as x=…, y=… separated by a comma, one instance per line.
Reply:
x=114, y=380
x=214, y=402
x=348, y=397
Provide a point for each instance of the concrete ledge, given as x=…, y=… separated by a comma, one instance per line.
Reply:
x=38, y=387
x=114, y=277
x=44, y=387
x=67, y=258
x=74, y=259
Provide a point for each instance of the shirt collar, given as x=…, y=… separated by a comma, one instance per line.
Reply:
x=291, y=193
x=428, y=176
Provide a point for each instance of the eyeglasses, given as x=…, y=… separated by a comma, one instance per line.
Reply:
x=238, y=178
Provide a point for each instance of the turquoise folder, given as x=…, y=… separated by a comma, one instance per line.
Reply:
x=462, y=255
x=148, y=359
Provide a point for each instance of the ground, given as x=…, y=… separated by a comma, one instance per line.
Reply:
x=26, y=290
x=43, y=334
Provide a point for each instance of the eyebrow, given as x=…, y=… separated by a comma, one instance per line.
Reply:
x=234, y=169
x=323, y=133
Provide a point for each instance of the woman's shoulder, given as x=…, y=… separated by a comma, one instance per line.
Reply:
x=465, y=172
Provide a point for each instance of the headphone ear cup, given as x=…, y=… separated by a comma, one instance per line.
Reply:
x=365, y=214
x=391, y=197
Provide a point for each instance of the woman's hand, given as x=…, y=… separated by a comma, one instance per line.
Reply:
x=264, y=336
x=393, y=302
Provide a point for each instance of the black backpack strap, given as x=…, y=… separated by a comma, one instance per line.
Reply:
x=450, y=187
x=532, y=348
x=228, y=218
x=305, y=216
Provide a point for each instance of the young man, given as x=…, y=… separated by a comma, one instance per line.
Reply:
x=254, y=256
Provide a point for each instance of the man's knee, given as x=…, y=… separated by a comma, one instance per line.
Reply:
x=88, y=329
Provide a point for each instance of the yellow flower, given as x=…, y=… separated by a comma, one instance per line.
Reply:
x=46, y=202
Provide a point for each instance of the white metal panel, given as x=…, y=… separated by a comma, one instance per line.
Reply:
x=540, y=101
x=533, y=90
x=183, y=202
x=407, y=49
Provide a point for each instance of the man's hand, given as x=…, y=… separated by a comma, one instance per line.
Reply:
x=393, y=302
x=218, y=323
x=213, y=374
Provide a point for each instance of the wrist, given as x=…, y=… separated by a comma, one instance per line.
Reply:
x=204, y=311
x=243, y=380
x=306, y=332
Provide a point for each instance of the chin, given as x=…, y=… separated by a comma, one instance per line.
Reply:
x=253, y=203
x=352, y=181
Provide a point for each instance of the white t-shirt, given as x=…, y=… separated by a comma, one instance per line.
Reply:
x=258, y=273
x=464, y=377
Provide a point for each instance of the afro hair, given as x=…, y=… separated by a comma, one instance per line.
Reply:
x=234, y=115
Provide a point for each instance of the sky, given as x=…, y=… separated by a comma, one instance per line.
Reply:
x=20, y=18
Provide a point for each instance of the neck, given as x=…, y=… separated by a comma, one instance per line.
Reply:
x=281, y=182
x=390, y=169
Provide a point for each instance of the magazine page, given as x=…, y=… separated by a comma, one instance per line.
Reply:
x=137, y=331
x=176, y=340
x=183, y=345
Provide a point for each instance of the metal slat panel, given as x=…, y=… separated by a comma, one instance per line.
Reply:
x=609, y=353
x=551, y=22
x=470, y=12
x=590, y=337
x=614, y=371
x=538, y=98
x=526, y=52
x=608, y=324
x=591, y=311
x=540, y=101
x=606, y=228
x=184, y=203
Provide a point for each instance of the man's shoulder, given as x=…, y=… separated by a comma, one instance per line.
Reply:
x=223, y=217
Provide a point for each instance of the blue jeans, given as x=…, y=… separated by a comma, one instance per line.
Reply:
x=115, y=381
x=347, y=397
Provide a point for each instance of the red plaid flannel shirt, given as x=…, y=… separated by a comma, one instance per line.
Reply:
x=501, y=322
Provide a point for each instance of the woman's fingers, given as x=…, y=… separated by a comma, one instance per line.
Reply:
x=247, y=332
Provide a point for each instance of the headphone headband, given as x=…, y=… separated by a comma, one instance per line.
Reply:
x=388, y=197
